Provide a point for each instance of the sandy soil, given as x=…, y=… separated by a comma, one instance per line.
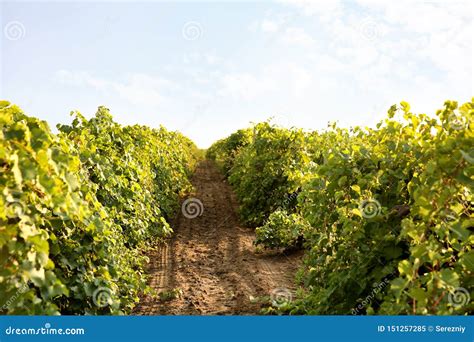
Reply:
x=210, y=264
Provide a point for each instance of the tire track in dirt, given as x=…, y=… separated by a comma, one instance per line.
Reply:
x=211, y=262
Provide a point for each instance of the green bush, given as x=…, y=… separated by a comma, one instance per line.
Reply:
x=281, y=230
x=265, y=172
x=67, y=218
x=224, y=151
x=381, y=218
x=390, y=210
x=139, y=172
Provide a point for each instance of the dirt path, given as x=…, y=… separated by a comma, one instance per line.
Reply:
x=211, y=262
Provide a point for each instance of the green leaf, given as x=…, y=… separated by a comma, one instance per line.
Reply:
x=467, y=261
x=419, y=294
x=405, y=268
x=356, y=188
x=449, y=277
x=398, y=285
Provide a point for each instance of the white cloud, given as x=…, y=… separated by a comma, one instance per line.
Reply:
x=139, y=89
x=142, y=89
x=80, y=78
x=244, y=85
x=287, y=78
x=208, y=58
x=297, y=36
x=325, y=9
x=269, y=26
x=384, y=42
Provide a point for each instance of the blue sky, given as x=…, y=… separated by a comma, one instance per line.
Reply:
x=209, y=68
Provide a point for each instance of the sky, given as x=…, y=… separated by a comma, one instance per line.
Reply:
x=210, y=68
